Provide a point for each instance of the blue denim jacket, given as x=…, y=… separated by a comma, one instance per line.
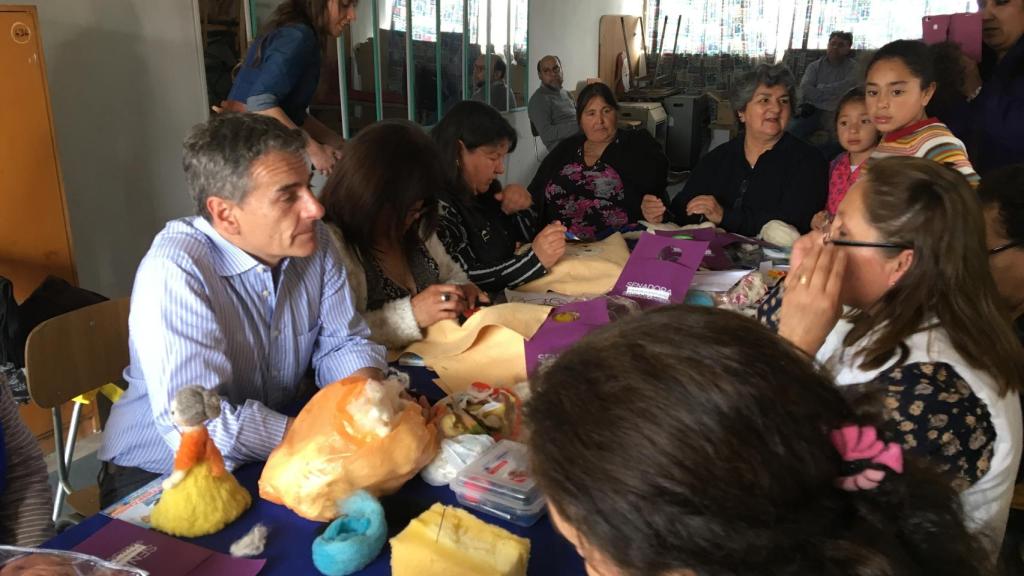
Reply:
x=286, y=76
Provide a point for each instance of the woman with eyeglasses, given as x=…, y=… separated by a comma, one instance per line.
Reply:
x=895, y=298
x=1002, y=197
x=381, y=203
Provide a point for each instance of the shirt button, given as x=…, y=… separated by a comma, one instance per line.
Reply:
x=276, y=333
x=266, y=293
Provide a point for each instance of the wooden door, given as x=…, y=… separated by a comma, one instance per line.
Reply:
x=34, y=236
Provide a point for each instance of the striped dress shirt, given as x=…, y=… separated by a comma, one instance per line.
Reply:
x=206, y=313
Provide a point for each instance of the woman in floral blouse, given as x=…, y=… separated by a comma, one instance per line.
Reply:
x=924, y=335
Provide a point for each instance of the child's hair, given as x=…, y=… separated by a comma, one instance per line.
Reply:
x=914, y=54
x=853, y=95
x=693, y=438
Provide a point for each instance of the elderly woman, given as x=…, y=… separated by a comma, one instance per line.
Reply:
x=483, y=224
x=762, y=175
x=382, y=205
x=596, y=180
x=1002, y=196
x=925, y=332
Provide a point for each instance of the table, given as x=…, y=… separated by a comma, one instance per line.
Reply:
x=289, y=542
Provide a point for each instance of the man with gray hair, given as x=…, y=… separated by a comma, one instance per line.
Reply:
x=552, y=111
x=243, y=298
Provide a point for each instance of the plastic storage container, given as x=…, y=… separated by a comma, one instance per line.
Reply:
x=499, y=483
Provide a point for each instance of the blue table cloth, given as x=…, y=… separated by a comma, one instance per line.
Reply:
x=290, y=538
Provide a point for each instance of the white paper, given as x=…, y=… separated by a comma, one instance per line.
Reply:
x=717, y=281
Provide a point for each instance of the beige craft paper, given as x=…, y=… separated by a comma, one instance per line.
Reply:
x=488, y=347
x=590, y=268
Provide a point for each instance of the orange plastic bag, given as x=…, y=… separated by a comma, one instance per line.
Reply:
x=347, y=438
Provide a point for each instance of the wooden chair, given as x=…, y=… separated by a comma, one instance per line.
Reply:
x=66, y=357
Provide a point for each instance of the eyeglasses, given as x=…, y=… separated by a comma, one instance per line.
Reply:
x=1005, y=247
x=827, y=229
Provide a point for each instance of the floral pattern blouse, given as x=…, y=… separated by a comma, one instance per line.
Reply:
x=928, y=408
x=588, y=199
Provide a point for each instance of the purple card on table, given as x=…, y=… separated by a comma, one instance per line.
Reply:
x=564, y=326
x=660, y=269
x=124, y=543
x=715, y=258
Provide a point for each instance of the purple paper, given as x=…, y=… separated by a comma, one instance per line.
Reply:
x=564, y=326
x=660, y=269
x=157, y=553
x=963, y=29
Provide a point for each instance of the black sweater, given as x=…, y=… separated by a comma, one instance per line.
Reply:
x=789, y=183
x=634, y=154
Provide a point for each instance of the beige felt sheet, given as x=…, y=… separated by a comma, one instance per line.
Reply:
x=488, y=347
x=586, y=268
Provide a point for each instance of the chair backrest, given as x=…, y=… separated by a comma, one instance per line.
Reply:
x=73, y=353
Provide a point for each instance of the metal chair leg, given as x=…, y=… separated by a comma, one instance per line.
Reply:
x=65, y=454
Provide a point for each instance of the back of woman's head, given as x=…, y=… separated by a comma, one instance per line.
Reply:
x=922, y=204
x=388, y=172
x=591, y=91
x=471, y=124
x=312, y=13
x=914, y=54
x=694, y=439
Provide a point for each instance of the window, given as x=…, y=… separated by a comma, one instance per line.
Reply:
x=420, y=79
x=767, y=28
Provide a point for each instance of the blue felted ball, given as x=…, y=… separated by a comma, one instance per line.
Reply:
x=354, y=539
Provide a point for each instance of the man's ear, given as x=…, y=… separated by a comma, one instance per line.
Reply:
x=223, y=215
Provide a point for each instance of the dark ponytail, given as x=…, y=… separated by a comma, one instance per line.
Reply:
x=694, y=439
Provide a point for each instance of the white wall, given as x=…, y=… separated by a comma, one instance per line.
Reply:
x=569, y=30
x=126, y=83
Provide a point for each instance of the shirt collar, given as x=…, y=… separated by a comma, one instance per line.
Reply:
x=908, y=129
x=228, y=259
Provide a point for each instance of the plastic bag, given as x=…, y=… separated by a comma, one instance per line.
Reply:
x=482, y=409
x=455, y=454
x=353, y=434
x=17, y=561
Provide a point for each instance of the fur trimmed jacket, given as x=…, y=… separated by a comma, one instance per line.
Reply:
x=394, y=325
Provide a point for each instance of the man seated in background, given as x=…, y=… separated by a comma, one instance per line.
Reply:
x=244, y=298
x=552, y=110
x=502, y=97
x=823, y=84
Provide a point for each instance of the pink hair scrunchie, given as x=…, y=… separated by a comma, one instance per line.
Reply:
x=860, y=445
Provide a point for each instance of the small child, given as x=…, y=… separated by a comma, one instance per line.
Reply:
x=900, y=84
x=858, y=137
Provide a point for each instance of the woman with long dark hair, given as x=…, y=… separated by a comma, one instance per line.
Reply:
x=692, y=442
x=282, y=69
x=482, y=223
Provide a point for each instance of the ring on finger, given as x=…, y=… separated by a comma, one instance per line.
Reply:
x=803, y=279
x=446, y=297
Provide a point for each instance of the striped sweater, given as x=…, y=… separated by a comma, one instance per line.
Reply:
x=930, y=139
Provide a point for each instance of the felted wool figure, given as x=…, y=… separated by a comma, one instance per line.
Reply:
x=353, y=540
x=200, y=497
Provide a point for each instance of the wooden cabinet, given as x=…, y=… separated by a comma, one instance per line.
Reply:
x=34, y=237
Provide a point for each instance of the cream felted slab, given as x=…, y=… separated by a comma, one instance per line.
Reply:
x=586, y=268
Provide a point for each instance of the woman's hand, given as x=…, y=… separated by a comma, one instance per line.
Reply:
x=473, y=294
x=549, y=244
x=706, y=206
x=438, y=302
x=322, y=156
x=820, y=221
x=652, y=208
x=972, y=77
x=810, y=307
x=514, y=198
